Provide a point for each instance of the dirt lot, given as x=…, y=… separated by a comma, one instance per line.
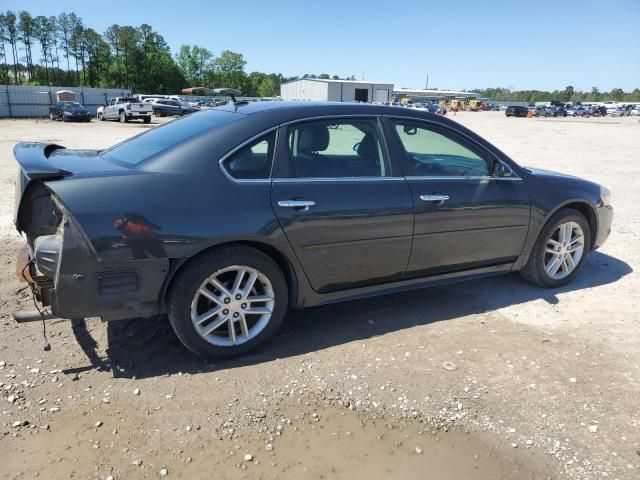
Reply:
x=546, y=386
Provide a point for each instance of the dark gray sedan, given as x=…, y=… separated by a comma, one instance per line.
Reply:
x=69, y=111
x=226, y=218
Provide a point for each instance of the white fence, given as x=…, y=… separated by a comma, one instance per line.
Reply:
x=23, y=101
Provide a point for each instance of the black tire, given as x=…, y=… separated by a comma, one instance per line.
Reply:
x=157, y=112
x=534, y=270
x=123, y=117
x=147, y=119
x=189, y=279
x=100, y=117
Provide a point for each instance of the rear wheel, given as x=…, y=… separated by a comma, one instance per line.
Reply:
x=228, y=302
x=560, y=251
x=123, y=117
x=147, y=119
x=157, y=112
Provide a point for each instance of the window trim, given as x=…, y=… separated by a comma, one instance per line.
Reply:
x=246, y=143
x=378, y=119
x=392, y=131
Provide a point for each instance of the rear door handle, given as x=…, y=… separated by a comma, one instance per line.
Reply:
x=434, y=198
x=299, y=204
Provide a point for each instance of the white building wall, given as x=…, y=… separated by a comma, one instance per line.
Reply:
x=305, y=90
x=335, y=91
x=346, y=91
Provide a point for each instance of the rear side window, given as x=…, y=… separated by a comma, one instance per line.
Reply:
x=337, y=149
x=252, y=161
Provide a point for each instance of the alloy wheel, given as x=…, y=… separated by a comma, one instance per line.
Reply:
x=563, y=250
x=232, y=306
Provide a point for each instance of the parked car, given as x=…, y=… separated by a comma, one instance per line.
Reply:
x=635, y=111
x=186, y=100
x=577, y=111
x=168, y=107
x=618, y=112
x=432, y=107
x=205, y=220
x=556, y=112
x=540, y=111
x=125, y=109
x=516, y=111
x=69, y=111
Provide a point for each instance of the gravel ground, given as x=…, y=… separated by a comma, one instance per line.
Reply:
x=538, y=384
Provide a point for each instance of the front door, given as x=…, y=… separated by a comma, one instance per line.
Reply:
x=344, y=207
x=465, y=217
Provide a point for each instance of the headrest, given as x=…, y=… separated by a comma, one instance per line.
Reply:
x=368, y=148
x=313, y=138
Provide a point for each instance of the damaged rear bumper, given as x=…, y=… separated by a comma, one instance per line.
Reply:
x=67, y=276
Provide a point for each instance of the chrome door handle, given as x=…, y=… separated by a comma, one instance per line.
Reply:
x=300, y=204
x=434, y=198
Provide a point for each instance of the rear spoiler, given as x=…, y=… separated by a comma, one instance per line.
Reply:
x=33, y=158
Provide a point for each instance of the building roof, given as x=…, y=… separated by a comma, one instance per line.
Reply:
x=331, y=80
x=420, y=91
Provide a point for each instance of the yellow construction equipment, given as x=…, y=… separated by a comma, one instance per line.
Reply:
x=457, y=104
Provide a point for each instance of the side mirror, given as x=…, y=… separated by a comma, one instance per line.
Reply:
x=502, y=170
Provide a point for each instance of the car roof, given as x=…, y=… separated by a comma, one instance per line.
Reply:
x=296, y=109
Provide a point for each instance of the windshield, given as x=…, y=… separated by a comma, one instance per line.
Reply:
x=146, y=145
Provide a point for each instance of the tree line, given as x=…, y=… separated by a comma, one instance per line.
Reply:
x=569, y=94
x=124, y=56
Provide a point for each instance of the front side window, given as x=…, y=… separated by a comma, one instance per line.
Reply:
x=252, y=161
x=433, y=151
x=337, y=148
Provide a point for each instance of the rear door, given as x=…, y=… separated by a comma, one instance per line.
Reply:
x=465, y=217
x=342, y=203
x=109, y=110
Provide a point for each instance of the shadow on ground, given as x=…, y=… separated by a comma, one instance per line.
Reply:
x=148, y=347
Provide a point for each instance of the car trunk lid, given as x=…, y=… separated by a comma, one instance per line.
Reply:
x=41, y=162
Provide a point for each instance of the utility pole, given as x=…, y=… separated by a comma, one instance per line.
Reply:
x=426, y=87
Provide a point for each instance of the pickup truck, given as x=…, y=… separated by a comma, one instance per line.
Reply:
x=125, y=109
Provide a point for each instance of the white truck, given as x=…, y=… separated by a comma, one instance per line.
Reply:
x=125, y=109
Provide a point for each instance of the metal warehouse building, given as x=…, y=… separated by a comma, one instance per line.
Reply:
x=336, y=90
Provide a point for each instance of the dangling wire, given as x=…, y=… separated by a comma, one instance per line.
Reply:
x=47, y=345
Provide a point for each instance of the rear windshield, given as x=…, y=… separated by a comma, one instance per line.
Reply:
x=147, y=145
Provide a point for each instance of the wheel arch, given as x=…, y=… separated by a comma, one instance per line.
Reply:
x=586, y=209
x=272, y=252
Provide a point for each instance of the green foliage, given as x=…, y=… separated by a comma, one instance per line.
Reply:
x=568, y=94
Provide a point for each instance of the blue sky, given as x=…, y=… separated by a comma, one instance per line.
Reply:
x=464, y=44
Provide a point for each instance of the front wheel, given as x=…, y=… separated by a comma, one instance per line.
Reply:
x=100, y=117
x=227, y=302
x=560, y=251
